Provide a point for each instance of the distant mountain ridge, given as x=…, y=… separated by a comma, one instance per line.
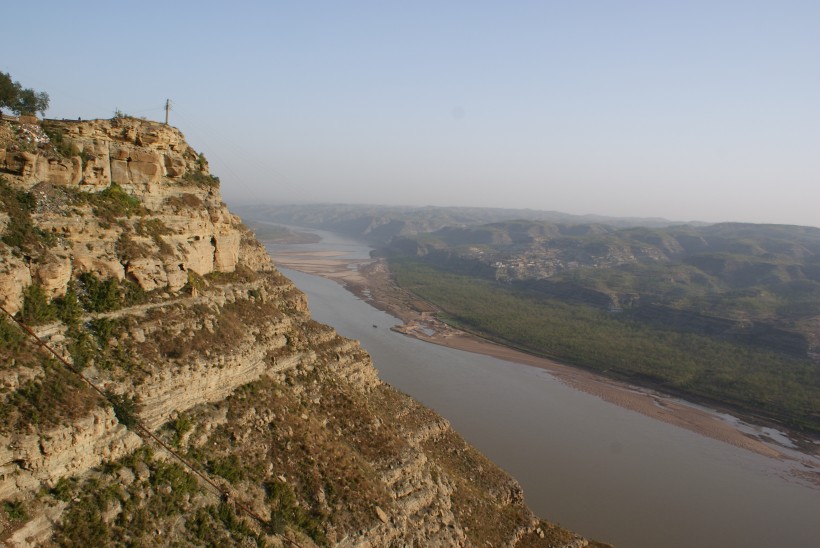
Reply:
x=378, y=224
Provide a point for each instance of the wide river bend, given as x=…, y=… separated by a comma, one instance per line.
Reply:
x=609, y=473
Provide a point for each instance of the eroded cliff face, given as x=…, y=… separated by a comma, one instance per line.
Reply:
x=181, y=340
x=160, y=215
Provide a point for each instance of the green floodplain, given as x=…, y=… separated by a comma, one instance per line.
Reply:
x=751, y=379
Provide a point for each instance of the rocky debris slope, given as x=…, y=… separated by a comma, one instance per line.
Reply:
x=190, y=398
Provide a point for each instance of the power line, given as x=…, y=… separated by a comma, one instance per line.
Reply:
x=226, y=495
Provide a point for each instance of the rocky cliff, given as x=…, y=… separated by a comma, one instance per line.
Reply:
x=177, y=390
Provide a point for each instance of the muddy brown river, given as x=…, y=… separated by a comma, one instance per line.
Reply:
x=609, y=473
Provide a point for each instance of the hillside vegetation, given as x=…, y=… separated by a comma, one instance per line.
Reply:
x=729, y=313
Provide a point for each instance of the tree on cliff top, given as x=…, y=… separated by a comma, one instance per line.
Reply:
x=21, y=100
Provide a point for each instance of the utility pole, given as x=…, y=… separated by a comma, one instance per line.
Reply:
x=167, y=108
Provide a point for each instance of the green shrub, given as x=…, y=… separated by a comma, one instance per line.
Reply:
x=201, y=179
x=181, y=426
x=57, y=138
x=36, y=308
x=99, y=295
x=64, y=489
x=53, y=397
x=220, y=526
x=285, y=510
x=106, y=295
x=111, y=204
x=151, y=227
x=20, y=232
x=15, y=510
x=83, y=524
x=195, y=281
x=81, y=347
x=131, y=293
x=284, y=506
x=11, y=337
x=125, y=408
x=69, y=309
x=228, y=467
x=181, y=482
x=103, y=329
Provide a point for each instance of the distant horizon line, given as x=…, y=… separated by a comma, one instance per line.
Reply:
x=656, y=219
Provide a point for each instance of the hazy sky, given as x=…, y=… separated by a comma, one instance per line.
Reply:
x=689, y=110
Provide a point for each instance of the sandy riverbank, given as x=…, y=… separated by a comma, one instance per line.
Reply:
x=370, y=280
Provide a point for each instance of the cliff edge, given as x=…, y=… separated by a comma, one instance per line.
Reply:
x=161, y=382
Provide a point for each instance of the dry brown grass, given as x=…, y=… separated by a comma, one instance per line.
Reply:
x=486, y=517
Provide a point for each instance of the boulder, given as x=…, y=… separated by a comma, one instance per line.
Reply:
x=15, y=277
x=101, y=267
x=176, y=275
x=199, y=254
x=97, y=171
x=20, y=163
x=133, y=165
x=64, y=171
x=174, y=165
x=226, y=253
x=149, y=273
x=53, y=274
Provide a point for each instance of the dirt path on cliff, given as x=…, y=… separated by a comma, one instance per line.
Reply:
x=371, y=281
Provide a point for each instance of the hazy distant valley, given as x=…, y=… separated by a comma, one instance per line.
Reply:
x=728, y=312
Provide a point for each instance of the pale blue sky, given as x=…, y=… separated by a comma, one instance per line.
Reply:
x=686, y=110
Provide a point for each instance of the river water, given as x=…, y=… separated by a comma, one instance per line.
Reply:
x=609, y=473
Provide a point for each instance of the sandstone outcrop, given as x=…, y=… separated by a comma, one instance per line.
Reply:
x=191, y=228
x=15, y=276
x=43, y=458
